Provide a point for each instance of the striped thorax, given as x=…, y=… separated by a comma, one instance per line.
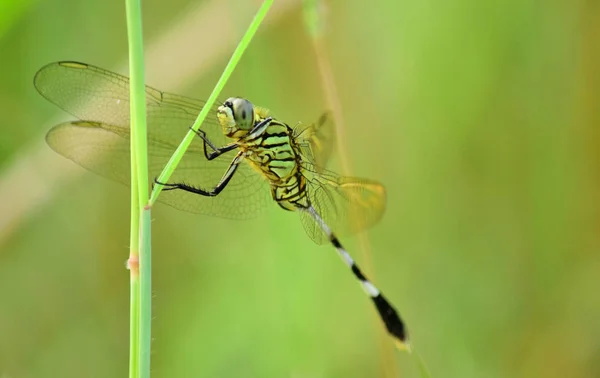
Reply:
x=270, y=150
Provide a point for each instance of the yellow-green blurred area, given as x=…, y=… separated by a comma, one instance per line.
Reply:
x=481, y=118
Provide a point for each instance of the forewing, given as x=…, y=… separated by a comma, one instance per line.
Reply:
x=316, y=140
x=94, y=94
x=347, y=205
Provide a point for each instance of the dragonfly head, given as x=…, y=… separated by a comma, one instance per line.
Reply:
x=236, y=116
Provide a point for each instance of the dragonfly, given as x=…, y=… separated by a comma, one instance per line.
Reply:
x=243, y=158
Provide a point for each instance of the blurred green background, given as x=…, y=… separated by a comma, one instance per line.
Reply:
x=481, y=118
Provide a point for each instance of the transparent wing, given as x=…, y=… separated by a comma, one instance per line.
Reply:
x=94, y=94
x=346, y=204
x=316, y=140
x=100, y=142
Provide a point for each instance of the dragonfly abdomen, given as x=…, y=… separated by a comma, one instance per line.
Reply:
x=291, y=194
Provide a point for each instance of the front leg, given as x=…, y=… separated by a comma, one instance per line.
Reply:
x=217, y=151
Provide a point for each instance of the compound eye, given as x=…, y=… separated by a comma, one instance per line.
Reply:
x=243, y=113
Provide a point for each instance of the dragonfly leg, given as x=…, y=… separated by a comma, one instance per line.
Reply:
x=217, y=151
x=211, y=192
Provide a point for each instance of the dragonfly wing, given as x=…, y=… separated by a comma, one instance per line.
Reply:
x=347, y=205
x=93, y=94
x=316, y=140
x=85, y=91
x=104, y=150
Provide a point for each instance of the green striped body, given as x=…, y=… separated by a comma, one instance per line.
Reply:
x=274, y=154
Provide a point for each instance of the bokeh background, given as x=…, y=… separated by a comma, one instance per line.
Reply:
x=481, y=118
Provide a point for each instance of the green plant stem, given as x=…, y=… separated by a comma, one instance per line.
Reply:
x=133, y=266
x=233, y=61
x=134, y=314
x=140, y=234
x=146, y=291
x=138, y=100
x=140, y=318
